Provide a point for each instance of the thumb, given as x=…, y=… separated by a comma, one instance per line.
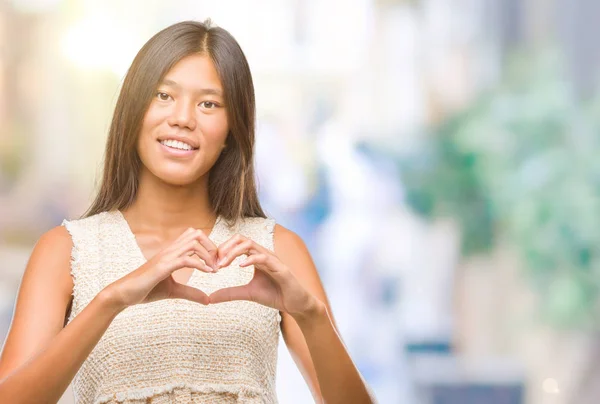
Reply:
x=180, y=291
x=230, y=294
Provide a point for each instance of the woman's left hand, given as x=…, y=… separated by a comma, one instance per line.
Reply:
x=272, y=285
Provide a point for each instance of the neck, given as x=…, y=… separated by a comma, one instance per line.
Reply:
x=166, y=209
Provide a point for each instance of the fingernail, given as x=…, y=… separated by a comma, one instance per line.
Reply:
x=222, y=261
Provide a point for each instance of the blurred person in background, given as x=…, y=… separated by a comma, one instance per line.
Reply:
x=113, y=302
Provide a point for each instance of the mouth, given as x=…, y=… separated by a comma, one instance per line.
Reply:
x=177, y=148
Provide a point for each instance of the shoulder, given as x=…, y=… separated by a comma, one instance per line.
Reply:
x=53, y=247
x=286, y=239
x=291, y=249
x=57, y=237
x=51, y=257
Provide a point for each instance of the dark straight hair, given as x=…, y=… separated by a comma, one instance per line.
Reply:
x=232, y=186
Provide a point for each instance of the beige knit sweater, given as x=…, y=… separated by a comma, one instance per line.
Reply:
x=174, y=350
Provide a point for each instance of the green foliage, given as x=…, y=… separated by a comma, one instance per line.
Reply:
x=523, y=163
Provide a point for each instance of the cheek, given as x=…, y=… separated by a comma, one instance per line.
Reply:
x=147, y=136
x=154, y=116
x=215, y=130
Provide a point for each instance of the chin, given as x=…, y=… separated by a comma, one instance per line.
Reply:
x=178, y=180
x=173, y=174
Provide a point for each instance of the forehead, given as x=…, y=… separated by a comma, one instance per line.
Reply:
x=194, y=72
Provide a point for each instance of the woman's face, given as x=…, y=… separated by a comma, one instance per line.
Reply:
x=185, y=127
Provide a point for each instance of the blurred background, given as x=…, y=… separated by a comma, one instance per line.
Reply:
x=438, y=157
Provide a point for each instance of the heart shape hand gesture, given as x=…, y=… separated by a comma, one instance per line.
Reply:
x=273, y=284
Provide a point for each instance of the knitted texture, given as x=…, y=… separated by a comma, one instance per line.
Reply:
x=173, y=350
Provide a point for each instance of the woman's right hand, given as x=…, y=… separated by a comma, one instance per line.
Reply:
x=153, y=281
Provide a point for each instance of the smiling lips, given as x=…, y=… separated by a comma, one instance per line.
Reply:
x=177, y=148
x=177, y=144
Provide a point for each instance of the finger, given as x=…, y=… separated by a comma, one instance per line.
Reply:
x=185, y=234
x=230, y=294
x=245, y=247
x=180, y=241
x=208, y=245
x=196, y=263
x=225, y=247
x=235, y=239
x=267, y=263
x=186, y=261
x=188, y=235
x=194, y=246
x=179, y=291
x=254, y=259
x=183, y=237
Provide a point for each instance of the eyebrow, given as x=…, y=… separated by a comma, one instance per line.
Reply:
x=209, y=91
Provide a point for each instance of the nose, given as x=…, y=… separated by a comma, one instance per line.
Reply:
x=183, y=115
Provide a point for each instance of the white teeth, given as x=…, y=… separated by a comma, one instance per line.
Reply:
x=176, y=144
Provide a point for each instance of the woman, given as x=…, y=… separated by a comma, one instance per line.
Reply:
x=175, y=284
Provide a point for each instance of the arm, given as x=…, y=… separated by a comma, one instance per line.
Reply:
x=311, y=338
x=38, y=351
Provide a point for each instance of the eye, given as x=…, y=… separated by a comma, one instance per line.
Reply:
x=163, y=96
x=208, y=104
